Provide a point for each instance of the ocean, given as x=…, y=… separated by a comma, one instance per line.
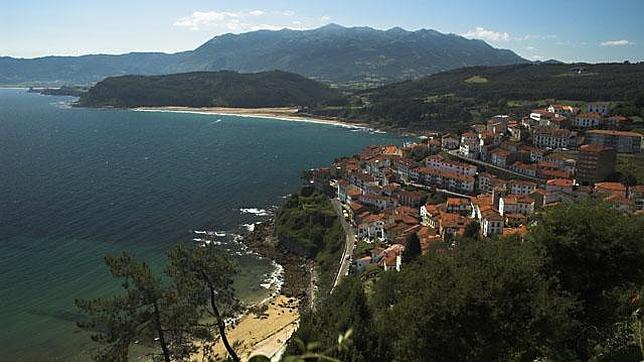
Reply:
x=76, y=184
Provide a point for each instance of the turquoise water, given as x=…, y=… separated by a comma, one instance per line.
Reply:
x=76, y=184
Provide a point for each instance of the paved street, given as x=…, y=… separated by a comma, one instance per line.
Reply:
x=350, y=235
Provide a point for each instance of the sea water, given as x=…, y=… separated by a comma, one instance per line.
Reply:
x=76, y=184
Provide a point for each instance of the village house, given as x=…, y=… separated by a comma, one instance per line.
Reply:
x=588, y=120
x=391, y=258
x=521, y=187
x=440, y=163
x=449, y=142
x=622, y=141
x=500, y=157
x=553, y=138
x=511, y=204
x=491, y=223
x=429, y=215
x=459, y=205
x=602, y=108
x=636, y=194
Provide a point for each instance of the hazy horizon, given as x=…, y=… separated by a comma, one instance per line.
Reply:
x=548, y=30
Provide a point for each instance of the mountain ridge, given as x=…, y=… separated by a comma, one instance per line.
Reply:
x=357, y=57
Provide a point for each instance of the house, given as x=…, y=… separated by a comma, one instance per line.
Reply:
x=442, y=164
x=521, y=187
x=449, y=142
x=500, y=157
x=615, y=188
x=622, y=141
x=379, y=202
x=392, y=150
x=588, y=120
x=411, y=198
x=450, y=225
x=559, y=184
x=636, y=194
x=567, y=111
x=511, y=204
x=391, y=258
x=371, y=226
x=603, y=108
x=553, y=138
x=429, y=215
x=620, y=203
x=491, y=223
x=362, y=263
x=527, y=169
x=458, y=205
x=615, y=122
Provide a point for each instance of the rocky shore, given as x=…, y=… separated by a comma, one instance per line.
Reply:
x=297, y=269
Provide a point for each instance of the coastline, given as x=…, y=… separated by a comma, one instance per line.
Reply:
x=277, y=113
x=265, y=327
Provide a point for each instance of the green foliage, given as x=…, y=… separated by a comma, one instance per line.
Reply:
x=630, y=167
x=412, y=248
x=173, y=313
x=148, y=310
x=597, y=255
x=571, y=291
x=302, y=222
x=346, y=310
x=444, y=100
x=348, y=57
x=210, y=89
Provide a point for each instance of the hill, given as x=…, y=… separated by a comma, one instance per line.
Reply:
x=210, y=89
x=463, y=95
x=348, y=57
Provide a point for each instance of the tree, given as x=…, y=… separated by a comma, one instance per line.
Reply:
x=596, y=255
x=472, y=230
x=203, y=275
x=484, y=301
x=149, y=310
x=412, y=248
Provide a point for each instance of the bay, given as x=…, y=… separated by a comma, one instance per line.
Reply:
x=76, y=184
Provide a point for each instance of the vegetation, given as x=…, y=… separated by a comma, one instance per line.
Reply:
x=171, y=312
x=569, y=291
x=308, y=225
x=210, y=89
x=630, y=167
x=358, y=57
x=453, y=98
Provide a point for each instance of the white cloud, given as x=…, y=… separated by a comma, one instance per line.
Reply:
x=537, y=57
x=325, y=18
x=486, y=34
x=224, y=19
x=529, y=48
x=615, y=43
x=242, y=21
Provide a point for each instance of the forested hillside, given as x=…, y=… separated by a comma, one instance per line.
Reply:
x=210, y=89
x=569, y=291
x=461, y=95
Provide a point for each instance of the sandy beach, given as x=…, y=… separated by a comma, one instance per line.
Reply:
x=265, y=335
x=281, y=113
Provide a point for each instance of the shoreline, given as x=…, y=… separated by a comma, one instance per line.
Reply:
x=277, y=113
x=266, y=326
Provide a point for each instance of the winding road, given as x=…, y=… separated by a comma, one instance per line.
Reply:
x=350, y=237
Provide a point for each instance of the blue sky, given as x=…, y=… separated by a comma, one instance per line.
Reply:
x=570, y=30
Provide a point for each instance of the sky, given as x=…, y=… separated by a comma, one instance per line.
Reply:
x=569, y=30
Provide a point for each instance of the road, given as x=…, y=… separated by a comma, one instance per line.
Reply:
x=489, y=165
x=350, y=237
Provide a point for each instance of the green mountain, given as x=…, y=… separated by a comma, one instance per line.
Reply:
x=350, y=57
x=467, y=94
x=210, y=89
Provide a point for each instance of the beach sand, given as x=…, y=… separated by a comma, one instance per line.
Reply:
x=281, y=113
x=266, y=335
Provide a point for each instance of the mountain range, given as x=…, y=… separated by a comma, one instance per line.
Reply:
x=350, y=57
